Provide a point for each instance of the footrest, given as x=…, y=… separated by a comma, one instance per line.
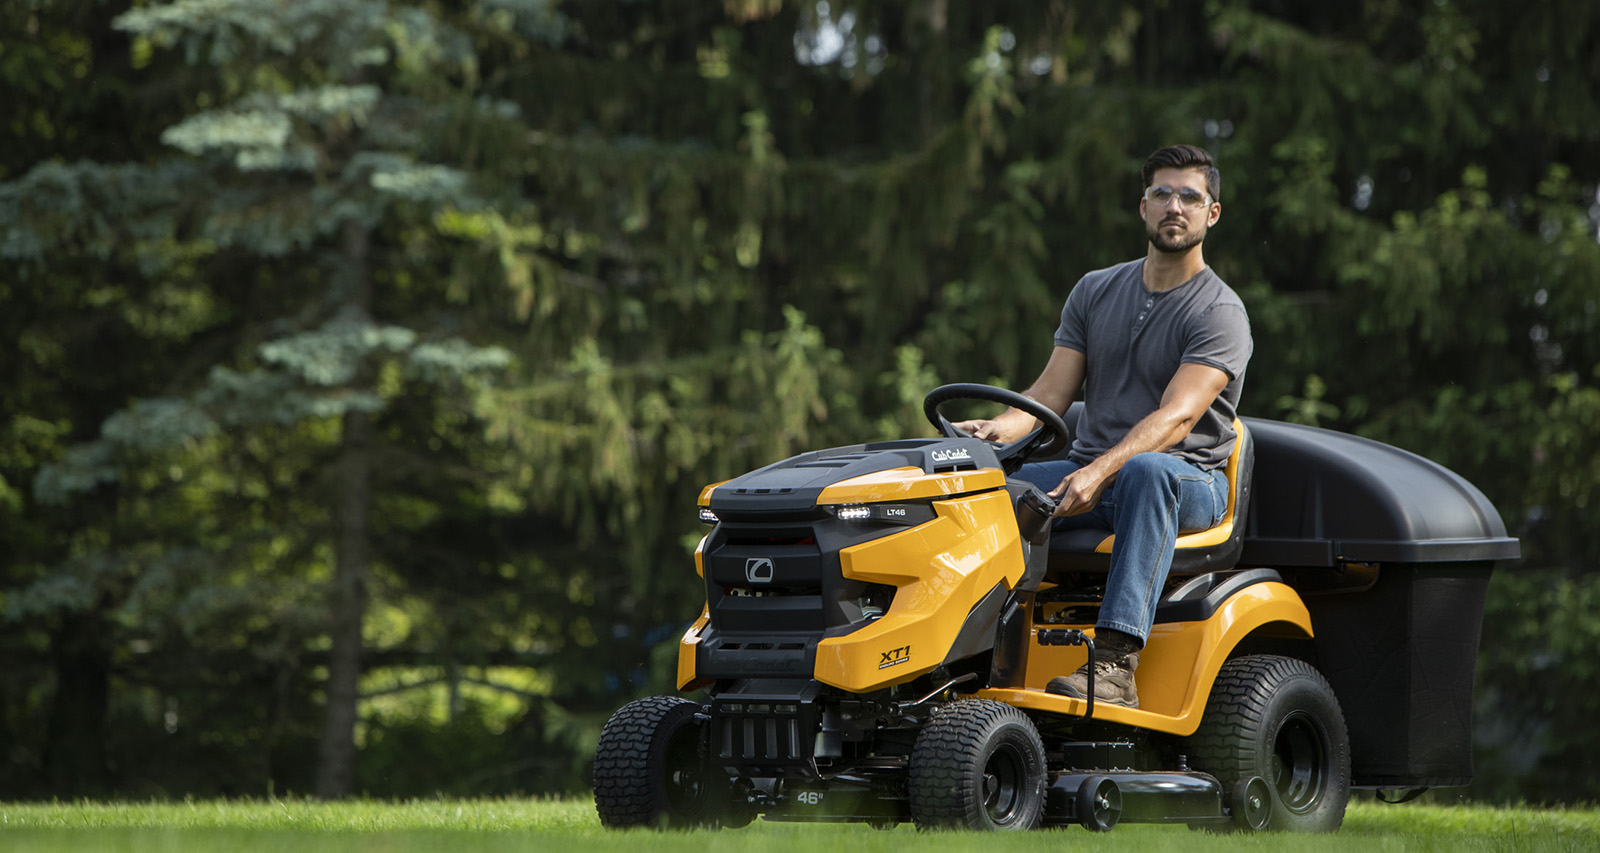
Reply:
x=1062, y=637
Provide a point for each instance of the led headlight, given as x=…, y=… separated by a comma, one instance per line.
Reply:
x=884, y=513
x=707, y=516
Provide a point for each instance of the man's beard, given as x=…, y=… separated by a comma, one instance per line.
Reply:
x=1182, y=243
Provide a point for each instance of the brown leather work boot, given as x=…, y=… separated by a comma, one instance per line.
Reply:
x=1116, y=658
x=1113, y=681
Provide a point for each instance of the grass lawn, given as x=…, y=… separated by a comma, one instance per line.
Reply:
x=570, y=826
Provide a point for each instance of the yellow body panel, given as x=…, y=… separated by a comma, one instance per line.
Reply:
x=687, y=646
x=941, y=569
x=1176, y=668
x=705, y=494
x=691, y=637
x=909, y=484
x=700, y=558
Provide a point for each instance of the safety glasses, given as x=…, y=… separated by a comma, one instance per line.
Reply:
x=1187, y=196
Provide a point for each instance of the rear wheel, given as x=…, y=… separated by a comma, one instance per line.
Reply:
x=650, y=767
x=1276, y=718
x=978, y=765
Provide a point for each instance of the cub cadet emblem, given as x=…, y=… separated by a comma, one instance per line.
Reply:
x=895, y=657
x=950, y=455
x=758, y=570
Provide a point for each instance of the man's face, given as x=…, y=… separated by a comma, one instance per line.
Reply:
x=1171, y=225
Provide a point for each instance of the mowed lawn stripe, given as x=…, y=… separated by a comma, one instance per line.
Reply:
x=571, y=826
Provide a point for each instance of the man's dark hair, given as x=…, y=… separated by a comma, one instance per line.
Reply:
x=1185, y=157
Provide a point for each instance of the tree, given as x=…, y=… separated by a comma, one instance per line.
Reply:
x=61, y=66
x=308, y=174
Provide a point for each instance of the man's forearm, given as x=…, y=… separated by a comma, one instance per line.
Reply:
x=1013, y=424
x=1082, y=489
x=1190, y=393
x=1158, y=431
x=1050, y=397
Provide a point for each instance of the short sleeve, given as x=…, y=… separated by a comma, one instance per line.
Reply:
x=1073, y=331
x=1220, y=338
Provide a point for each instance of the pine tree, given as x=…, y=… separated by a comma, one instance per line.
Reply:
x=300, y=178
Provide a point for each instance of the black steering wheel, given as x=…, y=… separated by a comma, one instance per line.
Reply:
x=1051, y=436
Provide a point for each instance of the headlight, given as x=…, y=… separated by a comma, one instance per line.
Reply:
x=884, y=513
x=707, y=516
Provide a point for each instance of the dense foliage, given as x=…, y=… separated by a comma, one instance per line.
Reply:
x=368, y=356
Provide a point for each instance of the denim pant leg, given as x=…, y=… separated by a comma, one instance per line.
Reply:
x=1048, y=475
x=1156, y=497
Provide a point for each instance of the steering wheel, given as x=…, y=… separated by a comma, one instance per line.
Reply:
x=1052, y=434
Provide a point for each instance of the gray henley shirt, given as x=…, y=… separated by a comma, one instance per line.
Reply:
x=1134, y=340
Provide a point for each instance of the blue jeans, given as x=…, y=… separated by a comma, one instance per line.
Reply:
x=1155, y=497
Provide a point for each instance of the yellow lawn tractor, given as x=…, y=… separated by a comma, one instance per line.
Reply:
x=881, y=621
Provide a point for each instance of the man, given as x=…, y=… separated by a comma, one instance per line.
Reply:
x=1160, y=346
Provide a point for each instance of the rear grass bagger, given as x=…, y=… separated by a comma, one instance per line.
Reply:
x=881, y=621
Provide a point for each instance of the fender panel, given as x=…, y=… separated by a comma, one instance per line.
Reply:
x=1176, y=669
x=687, y=647
x=941, y=570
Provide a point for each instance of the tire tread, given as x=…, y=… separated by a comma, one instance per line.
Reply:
x=1237, y=712
x=949, y=752
x=626, y=793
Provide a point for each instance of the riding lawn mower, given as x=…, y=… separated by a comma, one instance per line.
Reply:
x=881, y=620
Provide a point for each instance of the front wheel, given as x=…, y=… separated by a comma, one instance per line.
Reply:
x=1273, y=735
x=978, y=765
x=650, y=767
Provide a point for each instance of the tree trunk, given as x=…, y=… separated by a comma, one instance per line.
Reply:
x=336, y=755
x=75, y=738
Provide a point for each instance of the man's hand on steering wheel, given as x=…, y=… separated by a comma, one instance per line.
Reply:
x=983, y=429
x=1001, y=429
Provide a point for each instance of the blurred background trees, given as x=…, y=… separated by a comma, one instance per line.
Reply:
x=367, y=357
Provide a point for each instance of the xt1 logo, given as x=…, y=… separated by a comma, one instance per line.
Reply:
x=895, y=657
x=758, y=570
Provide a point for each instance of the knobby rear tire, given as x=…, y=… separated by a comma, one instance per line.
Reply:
x=1278, y=719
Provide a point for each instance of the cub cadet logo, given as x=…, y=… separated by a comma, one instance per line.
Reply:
x=758, y=570
x=950, y=455
x=895, y=657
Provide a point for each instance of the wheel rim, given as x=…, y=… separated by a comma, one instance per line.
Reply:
x=1004, y=781
x=1099, y=804
x=1252, y=804
x=1299, y=762
x=685, y=773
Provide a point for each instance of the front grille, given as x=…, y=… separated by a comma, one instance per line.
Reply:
x=774, y=590
x=767, y=733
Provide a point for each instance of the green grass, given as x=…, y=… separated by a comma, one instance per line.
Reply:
x=570, y=826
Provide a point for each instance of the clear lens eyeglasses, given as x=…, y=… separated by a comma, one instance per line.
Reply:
x=1187, y=196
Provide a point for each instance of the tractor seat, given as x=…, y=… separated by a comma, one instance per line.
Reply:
x=1088, y=550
